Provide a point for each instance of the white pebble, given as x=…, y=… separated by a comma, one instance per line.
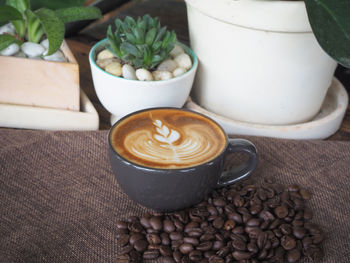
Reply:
x=129, y=72
x=57, y=56
x=114, y=68
x=177, y=50
x=32, y=49
x=20, y=54
x=184, y=61
x=178, y=72
x=162, y=75
x=10, y=50
x=167, y=65
x=45, y=43
x=143, y=74
x=103, y=63
x=8, y=28
x=105, y=54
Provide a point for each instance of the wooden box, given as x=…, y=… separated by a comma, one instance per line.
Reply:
x=40, y=83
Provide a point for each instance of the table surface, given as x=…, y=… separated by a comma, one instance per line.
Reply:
x=81, y=43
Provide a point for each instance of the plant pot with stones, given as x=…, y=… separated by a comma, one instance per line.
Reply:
x=37, y=67
x=260, y=61
x=141, y=65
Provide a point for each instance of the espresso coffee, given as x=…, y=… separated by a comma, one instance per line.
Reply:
x=168, y=139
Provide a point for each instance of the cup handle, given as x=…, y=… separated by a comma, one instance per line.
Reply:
x=244, y=170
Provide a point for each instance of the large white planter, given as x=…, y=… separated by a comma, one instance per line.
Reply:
x=259, y=60
x=122, y=96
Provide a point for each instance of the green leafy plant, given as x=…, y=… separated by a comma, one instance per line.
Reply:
x=330, y=22
x=142, y=43
x=44, y=21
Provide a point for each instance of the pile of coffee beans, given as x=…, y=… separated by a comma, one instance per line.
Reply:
x=243, y=223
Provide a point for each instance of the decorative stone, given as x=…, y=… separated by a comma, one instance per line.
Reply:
x=179, y=71
x=162, y=75
x=103, y=63
x=167, y=65
x=144, y=75
x=177, y=50
x=129, y=72
x=20, y=54
x=57, y=56
x=8, y=28
x=45, y=43
x=114, y=68
x=10, y=50
x=32, y=49
x=105, y=54
x=184, y=61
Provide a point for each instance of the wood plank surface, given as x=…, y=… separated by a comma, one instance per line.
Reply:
x=171, y=13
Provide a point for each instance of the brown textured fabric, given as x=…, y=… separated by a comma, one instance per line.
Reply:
x=59, y=200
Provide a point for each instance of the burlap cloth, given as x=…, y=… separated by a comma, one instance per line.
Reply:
x=59, y=200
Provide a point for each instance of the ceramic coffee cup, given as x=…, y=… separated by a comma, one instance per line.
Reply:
x=168, y=158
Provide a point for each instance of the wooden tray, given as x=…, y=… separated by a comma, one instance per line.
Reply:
x=20, y=116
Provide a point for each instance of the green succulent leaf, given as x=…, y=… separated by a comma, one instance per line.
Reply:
x=20, y=5
x=53, y=28
x=131, y=49
x=151, y=34
x=330, y=22
x=114, y=43
x=35, y=30
x=6, y=40
x=8, y=13
x=72, y=14
x=143, y=43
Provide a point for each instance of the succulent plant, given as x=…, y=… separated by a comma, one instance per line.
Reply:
x=34, y=24
x=142, y=43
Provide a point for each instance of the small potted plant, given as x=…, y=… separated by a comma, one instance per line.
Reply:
x=141, y=65
x=36, y=66
x=268, y=62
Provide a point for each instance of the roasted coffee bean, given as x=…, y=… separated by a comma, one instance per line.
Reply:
x=238, y=244
x=165, y=239
x=262, y=254
x=246, y=217
x=255, y=209
x=168, y=259
x=196, y=232
x=219, y=202
x=126, y=249
x=134, y=237
x=305, y=194
x=216, y=259
x=153, y=246
x=176, y=243
x=229, y=224
x=236, y=217
x=123, y=239
x=135, y=227
x=175, y=236
x=223, y=252
x=218, y=222
x=288, y=243
x=238, y=201
x=217, y=244
x=191, y=240
x=141, y=245
x=190, y=226
x=168, y=226
x=253, y=222
x=252, y=247
x=205, y=246
x=121, y=232
x=262, y=239
x=135, y=256
x=208, y=254
x=293, y=255
x=286, y=229
x=238, y=230
x=151, y=254
x=299, y=232
x=144, y=221
x=186, y=248
x=240, y=255
x=281, y=211
x=165, y=251
x=253, y=232
x=185, y=259
x=122, y=225
x=207, y=237
x=266, y=215
x=156, y=223
x=177, y=256
x=195, y=255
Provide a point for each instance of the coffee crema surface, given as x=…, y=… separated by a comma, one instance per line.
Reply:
x=168, y=139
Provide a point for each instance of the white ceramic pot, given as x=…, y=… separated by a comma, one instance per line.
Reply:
x=122, y=96
x=259, y=60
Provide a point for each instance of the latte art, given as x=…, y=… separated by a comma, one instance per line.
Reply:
x=168, y=139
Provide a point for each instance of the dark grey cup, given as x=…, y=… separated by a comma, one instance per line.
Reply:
x=172, y=189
